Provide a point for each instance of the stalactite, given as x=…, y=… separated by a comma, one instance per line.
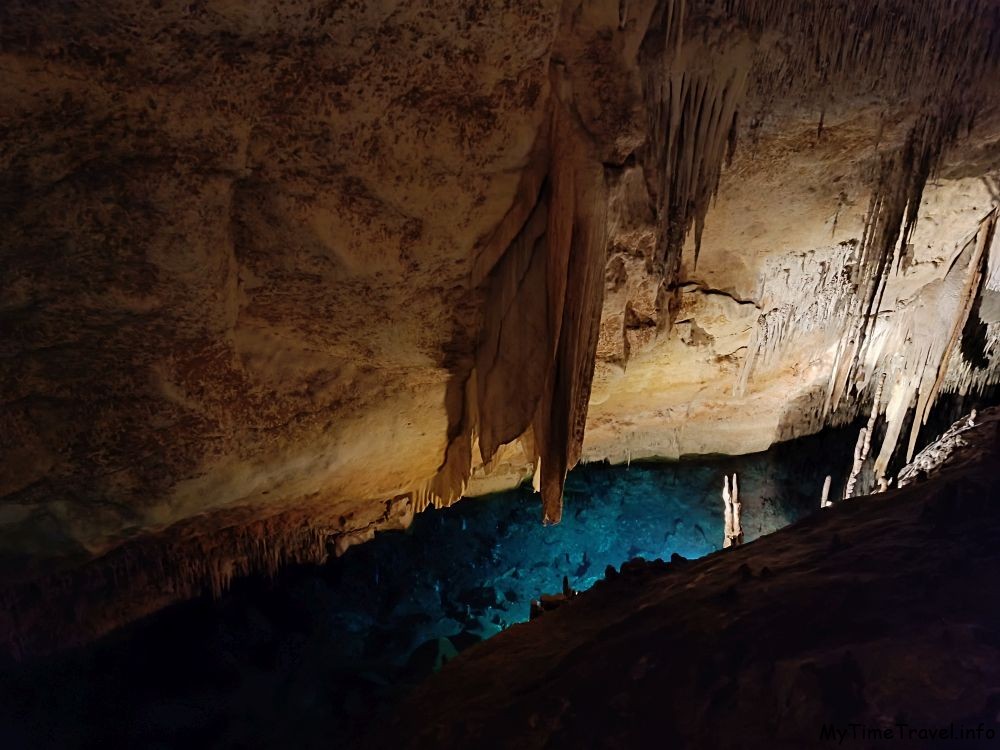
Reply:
x=980, y=371
x=700, y=63
x=973, y=275
x=70, y=606
x=693, y=111
x=824, y=500
x=918, y=352
x=967, y=374
x=577, y=243
x=536, y=350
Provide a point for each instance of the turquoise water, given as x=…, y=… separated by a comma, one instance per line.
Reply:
x=475, y=567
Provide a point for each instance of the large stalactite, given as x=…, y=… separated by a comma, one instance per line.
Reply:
x=531, y=374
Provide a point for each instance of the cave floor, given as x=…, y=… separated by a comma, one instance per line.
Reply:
x=875, y=623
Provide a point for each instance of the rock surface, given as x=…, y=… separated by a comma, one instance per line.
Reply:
x=274, y=275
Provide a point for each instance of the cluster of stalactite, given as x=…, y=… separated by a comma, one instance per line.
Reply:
x=694, y=87
x=812, y=298
x=702, y=64
x=976, y=369
x=896, y=366
x=71, y=603
x=918, y=352
x=891, y=219
x=889, y=45
x=940, y=60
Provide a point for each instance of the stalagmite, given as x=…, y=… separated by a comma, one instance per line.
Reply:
x=727, y=501
x=824, y=501
x=865, y=440
x=859, y=459
x=737, y=515
x=733, y=528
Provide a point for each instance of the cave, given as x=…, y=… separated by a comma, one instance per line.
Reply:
x=538, y=373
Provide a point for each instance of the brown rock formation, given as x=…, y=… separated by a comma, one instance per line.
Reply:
x=276, y=274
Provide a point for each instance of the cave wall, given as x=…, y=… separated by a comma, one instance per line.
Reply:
x=275, y=275
x=752, y=348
